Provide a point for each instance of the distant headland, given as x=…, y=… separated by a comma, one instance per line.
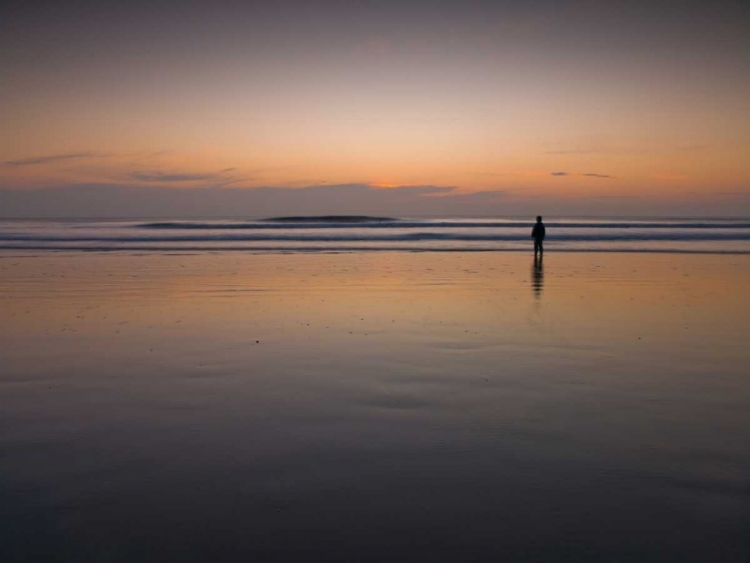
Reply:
x=329, y=219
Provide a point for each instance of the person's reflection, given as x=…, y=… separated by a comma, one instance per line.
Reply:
x=537, y=275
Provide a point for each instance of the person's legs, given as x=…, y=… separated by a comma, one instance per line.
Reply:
x=537, y=245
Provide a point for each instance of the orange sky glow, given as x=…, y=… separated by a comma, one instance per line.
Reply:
x=474, y=100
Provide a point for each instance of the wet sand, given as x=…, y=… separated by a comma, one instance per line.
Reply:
x=374, y=407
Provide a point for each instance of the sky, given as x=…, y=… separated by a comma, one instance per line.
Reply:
x=396, y=107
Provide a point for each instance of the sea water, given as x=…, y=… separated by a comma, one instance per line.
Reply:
x=341, y=234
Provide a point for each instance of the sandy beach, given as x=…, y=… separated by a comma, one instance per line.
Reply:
x=374, y=407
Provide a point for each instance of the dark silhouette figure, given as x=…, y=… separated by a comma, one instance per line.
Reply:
x=537, y=233
x=537, y=275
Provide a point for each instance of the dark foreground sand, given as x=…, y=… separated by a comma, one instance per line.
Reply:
x=374, y=407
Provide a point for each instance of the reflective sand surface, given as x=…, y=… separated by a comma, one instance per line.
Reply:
x=374, y=407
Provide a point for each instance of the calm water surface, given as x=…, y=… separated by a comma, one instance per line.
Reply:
x=384, y=406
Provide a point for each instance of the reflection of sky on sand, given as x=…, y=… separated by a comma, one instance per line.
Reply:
x=220, y=296
x=307, y=392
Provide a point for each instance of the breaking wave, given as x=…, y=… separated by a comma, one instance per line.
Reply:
x=354, y=233
x=332, y=222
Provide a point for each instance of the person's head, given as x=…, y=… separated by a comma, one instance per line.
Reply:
x=538, y=218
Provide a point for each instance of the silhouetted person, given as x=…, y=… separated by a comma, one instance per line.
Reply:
x=537, y=233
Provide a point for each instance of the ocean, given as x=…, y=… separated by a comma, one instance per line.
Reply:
x=355, y=233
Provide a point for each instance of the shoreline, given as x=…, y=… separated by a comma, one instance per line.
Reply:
x=302, y=251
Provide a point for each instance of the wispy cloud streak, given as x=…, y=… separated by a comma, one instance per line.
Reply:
x=586, y=175
x=36, y=160
x=168, y=177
